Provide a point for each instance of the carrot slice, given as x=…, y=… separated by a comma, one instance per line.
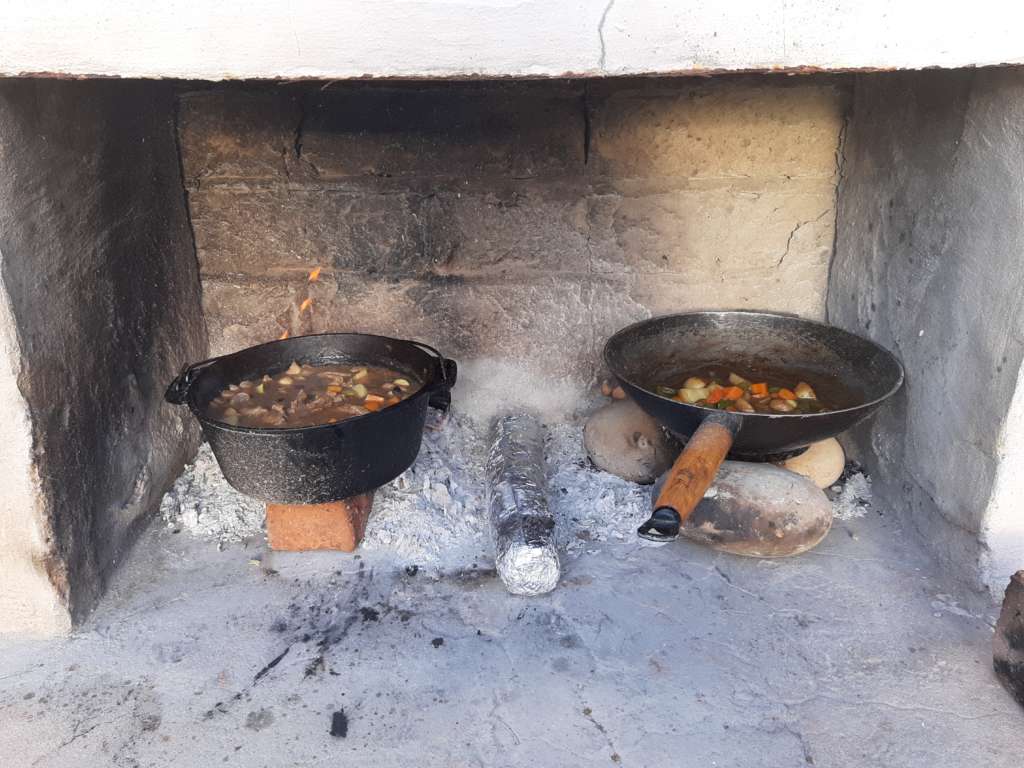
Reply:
x=371, y=405
x=760, y=389
x=787, y=394
x=733, y=393
x=716, y=395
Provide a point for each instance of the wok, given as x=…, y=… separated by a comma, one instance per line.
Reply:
x=850, y=374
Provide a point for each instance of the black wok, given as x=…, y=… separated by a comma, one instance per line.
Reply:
x=852, y=375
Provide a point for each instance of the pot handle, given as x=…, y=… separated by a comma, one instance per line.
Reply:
x=447, y=373
x=177, y=392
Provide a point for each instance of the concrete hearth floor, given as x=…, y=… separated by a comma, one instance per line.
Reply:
x=856, y=654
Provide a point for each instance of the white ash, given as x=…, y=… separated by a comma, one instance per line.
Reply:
x=852, y=497
x=590, y=506
x=202, y=503
x=433, y=514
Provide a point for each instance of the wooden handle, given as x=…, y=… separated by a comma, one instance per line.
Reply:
x=695, y=468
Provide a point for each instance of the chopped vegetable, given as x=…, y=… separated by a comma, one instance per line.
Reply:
x=804, y=392
x=692, y=395
x=742, y=394
x=716, y=396
x=309, y=395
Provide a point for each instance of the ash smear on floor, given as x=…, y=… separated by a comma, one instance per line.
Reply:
x=835, y=658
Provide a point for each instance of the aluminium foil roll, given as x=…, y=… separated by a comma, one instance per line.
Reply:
x=522, y=526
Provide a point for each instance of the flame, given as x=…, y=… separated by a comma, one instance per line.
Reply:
x=306, y=304
x=314, y=275
x=283, y=336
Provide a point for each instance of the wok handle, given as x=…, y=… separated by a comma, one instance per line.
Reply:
x=688, y=479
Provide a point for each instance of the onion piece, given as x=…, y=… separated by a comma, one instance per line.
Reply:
x=294, y=368
x=804, y=392
x=694, y=383
x=692, y=394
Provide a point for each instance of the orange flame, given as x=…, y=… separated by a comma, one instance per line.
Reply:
x=315, y=274
x=283, y=336
x=306, y=304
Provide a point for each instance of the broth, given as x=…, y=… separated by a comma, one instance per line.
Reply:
x=721, y=388
x=311, y=395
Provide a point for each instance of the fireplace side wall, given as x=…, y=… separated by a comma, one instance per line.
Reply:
x=928, y=262
x=514, y=225
x=100, y=275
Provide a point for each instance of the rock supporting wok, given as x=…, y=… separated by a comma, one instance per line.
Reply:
x=758, y=510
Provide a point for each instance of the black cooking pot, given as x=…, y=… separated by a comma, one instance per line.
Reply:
x=330, y=462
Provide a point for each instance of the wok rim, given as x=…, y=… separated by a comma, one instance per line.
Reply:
x=900, y=374
x=272, y=431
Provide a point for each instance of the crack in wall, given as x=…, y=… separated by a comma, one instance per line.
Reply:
x=600, y=33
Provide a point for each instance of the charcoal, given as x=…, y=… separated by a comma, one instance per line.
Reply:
x=339, y=724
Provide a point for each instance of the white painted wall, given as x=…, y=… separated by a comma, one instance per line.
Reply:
x=28, y=600
x=450, y=38
x=1003, y=533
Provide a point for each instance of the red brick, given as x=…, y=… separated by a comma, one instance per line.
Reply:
x=301, y=527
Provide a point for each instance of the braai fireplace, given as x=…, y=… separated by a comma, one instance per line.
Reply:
x=515, y=224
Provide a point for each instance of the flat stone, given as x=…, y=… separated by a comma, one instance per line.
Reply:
x=822, y=463
x=623, y=440
x=758, y=510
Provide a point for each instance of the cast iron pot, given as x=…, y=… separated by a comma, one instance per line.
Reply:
x=330, y=462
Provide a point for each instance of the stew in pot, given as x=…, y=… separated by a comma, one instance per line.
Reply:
x=733, y=392
x=310, y=395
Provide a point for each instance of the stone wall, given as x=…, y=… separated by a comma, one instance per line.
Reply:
x=100, y=308
x=519, y=222
x=928, y=263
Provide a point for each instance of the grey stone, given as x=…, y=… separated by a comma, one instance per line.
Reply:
x=622, y=439
x=758, y=510
x=715, y=128
x=459, y=130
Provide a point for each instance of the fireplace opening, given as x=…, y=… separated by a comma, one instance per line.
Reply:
x=513, y=227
